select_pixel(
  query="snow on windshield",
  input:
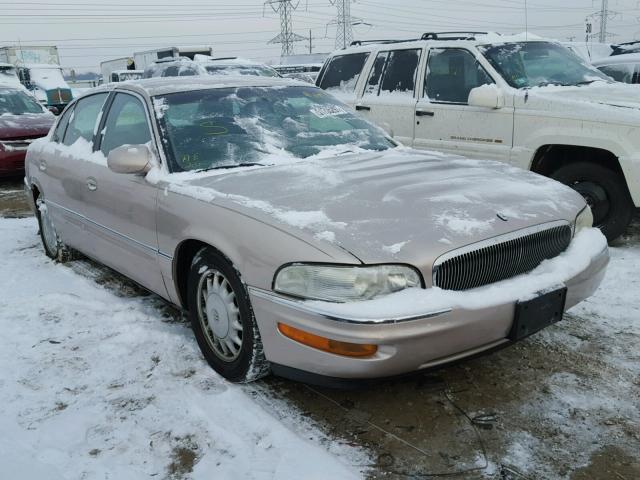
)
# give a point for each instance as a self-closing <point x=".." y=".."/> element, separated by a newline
<point x="536" y="64"/>
<point x="221" y="128"/>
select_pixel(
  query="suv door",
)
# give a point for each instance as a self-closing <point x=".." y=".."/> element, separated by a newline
<point x="390" y="93"/>
<point x="121" y="208"/>
<point x="62" y="169"/>
<point x="445" y="121"/>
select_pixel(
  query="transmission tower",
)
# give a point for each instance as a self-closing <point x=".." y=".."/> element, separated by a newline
<point x="286" y="37"/>
<point x="343" y="23"/>
<point x="604" y="15"/>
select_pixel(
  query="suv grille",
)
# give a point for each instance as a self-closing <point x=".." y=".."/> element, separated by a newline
<point x="499" y="258"/>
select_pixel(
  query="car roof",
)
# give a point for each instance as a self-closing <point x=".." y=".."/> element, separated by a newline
<point x="165" y="85"/>
<point x="617" y="59"/>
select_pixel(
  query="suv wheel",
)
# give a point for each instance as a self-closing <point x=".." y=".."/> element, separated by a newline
<point x="222" y="318"/>
<point x="604" y="190"/>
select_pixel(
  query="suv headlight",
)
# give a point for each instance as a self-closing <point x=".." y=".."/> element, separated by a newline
<point x="344" y="283"/>
<point x="583" y="220"/>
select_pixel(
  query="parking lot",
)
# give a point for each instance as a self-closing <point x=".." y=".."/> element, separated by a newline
<point x="561" y="404"/>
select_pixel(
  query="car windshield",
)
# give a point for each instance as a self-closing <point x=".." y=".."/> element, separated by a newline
<point x="257" y="70"/>
<point x="534" y="64"/>
<point x="15" y="102"/>
<point x="228" y="127"/>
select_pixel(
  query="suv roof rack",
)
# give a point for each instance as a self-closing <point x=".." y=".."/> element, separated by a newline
<point x="356" y="43"/>
<point x="425" y="36"/>
<point x="451" y="35"/>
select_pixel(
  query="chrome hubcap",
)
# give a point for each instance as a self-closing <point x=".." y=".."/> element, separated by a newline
<point x="219" y="315"/>
<point x="48" y="231"/>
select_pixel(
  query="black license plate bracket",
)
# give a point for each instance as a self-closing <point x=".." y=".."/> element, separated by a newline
<point x="537" y="313"/>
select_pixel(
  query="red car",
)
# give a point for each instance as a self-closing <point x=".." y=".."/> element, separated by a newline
<point x="22" y="120"/>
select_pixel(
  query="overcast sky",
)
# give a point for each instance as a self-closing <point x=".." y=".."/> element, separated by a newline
<point x="88" y="32"/>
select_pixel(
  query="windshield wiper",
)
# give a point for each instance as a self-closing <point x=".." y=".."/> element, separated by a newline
<point x="237" y="165"/>
<point x="588" y="82"/>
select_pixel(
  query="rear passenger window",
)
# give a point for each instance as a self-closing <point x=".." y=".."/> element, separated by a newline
<point x="126" y="124"/>
<point x="58" y="133"/>
<point x="451" y="74"/>
<point x="84" y="116"/>
<point x="401" y="71"/>
<point x="343" y="72"/>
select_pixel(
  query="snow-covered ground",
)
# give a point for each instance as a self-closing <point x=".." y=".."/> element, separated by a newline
<point x="100" y="386"/>
<point x="101" y="380"/>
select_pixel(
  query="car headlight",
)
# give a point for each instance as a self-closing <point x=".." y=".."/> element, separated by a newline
<point x="583" y="220"/>
<point x="344" y="283"/>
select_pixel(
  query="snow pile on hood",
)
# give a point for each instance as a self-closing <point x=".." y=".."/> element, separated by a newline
<point x="95" y="385"/>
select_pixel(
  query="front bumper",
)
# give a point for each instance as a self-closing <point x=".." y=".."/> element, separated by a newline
<point x="12" y="162"/>
<point x="405" y="344"/>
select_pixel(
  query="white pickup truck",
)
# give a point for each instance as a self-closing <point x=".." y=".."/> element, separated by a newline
<point x="516" y="99"/>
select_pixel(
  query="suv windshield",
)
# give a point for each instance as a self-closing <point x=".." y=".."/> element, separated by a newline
<point x="227" y="127"/>
<point x="534" y="64"/>
<point x="15" y="102"/>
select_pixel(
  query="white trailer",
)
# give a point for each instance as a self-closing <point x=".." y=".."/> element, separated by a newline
<point x="117" y="64"/>
<point x="17" y="55"/>
<point x="145" y="58"/>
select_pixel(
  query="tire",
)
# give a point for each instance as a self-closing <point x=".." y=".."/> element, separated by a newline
<point x="53" y="246"/>
<point x="606" y="193"/>
<point x="222" y="318"/>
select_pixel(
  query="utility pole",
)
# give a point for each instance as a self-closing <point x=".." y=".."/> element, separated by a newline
<point x="343" y="22"/>
<point x="286" y="37"/>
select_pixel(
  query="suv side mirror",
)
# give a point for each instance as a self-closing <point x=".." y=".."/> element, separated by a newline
<point x="130" y="159"/>
<point x="488" y="96"/>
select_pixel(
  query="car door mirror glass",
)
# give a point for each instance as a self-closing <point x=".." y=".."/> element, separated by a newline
<point x="130" y="159"/>
<point x="487" y="96"/>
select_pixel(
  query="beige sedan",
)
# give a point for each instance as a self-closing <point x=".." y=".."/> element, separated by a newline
<point x="301" y="239"/>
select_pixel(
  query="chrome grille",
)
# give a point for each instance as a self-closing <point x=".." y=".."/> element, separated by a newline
<point x="20" y="144"/>
<point x="500" y="258"/>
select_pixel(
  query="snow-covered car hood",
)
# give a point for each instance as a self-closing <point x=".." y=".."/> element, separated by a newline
<point x="399" y="205"/>
<point x="611" y="102"/>
<point x="27" y="125"/>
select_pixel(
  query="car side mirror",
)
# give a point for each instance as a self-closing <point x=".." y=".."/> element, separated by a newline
<point x="387" y="128"/>
<point x="130" y="159"/>
<point x="488" y="96"/>
<point x="54" y="110"/>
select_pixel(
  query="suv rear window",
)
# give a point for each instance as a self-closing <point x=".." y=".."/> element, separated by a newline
<point x="343" y="72"/>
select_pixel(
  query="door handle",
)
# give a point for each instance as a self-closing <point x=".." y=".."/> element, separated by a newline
<point x="43" y="165"/>
<point x="363" y="107"/>
<point x="424" y="113"/>
<point x="92" y="184"/>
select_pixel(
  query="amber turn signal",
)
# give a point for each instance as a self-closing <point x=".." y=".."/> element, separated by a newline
<point x="326" y="344"/>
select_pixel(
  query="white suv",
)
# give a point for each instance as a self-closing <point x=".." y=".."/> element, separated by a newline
<point x="526" y="101"/>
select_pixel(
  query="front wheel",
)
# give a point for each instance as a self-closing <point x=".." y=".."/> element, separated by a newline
<point x="222" y="318"/>
<point x="604" y="190"/>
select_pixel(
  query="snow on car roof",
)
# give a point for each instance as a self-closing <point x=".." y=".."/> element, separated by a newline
<point x="617" y="59"/>
<point x="164" y="85"/>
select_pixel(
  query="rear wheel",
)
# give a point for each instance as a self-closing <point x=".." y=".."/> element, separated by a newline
<point x="222" y="318"/>
<point x="604" y="190"/>
<point x="53" y="246"/>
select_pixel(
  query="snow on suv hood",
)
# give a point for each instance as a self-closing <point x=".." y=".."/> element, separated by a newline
<point x="615" y="102"/>
<point x="399" y="205"/>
